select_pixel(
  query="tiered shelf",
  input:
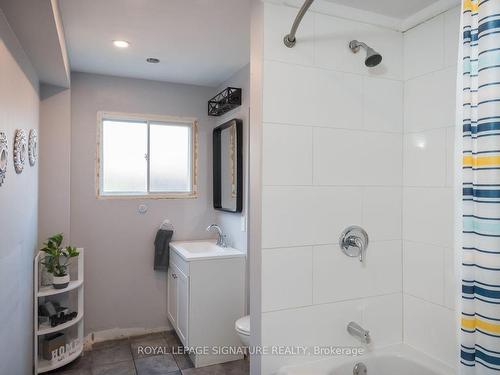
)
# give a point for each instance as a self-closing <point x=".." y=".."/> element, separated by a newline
<point x="41" y="293"/>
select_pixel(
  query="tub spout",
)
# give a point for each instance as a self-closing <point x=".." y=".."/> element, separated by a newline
<point x="356" y="330"/>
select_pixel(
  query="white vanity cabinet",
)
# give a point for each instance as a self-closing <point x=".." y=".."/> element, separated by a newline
<point x="205" y="296"/>
<point x="178" y="300"/>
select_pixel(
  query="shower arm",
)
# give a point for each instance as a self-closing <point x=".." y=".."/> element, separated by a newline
<point x="355" y="45"/>
<point x="289" y="39"/>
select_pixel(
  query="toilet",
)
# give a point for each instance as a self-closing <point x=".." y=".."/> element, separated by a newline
<point x="242" y="327"/>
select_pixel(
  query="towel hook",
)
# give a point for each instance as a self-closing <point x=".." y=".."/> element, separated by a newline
<point x="166" y="225"/>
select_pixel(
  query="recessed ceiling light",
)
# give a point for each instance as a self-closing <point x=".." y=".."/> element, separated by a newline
<point x="121" y="43"/>
<point x="152" y="60"/>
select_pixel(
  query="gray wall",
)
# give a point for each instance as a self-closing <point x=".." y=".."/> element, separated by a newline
<point x="232" y="222"/>
<point x="54" y="149"/>
<point x="19" y="107"/>
<point x="121" y="289"/>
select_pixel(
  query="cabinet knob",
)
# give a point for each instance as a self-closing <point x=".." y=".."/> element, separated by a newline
<point x="174" y="276"/>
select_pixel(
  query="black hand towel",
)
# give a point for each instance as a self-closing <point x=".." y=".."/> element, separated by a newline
<point x="162" y="242"/>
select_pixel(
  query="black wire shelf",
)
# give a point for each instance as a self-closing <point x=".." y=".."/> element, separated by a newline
<point x="224" y="101"/>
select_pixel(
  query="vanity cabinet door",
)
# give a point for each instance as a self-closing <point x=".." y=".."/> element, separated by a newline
<point x="172" y="296"/>
<point x="182" y="307"/>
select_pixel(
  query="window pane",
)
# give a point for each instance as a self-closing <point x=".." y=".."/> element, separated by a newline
<point x="124" y="156"/>
<point x="170" y="158"/>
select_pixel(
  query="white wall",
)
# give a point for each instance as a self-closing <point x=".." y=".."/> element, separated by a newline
<point x="332" y="158"/>
<point x="19" y="107"/>
<point x="430" y="65"/>
<point x="231" y="222"/>
<point x="122" y="290"/>
<point x="55" y="155"/>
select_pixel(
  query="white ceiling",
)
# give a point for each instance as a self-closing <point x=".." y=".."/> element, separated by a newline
<point x="35" y="26"/>
<point x="401" y="9"/>
<point x="200" y="42"/>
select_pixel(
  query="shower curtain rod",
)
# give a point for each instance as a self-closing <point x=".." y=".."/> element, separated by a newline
<point x="289" y="39"/>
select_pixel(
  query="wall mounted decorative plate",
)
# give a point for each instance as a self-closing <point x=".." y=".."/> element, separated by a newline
<point x="4" y="150"/>
<point x="20" y="150"/>
<point x="32" y="147"/>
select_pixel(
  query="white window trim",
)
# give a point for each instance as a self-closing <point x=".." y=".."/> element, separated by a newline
<point x="189" y="121"/>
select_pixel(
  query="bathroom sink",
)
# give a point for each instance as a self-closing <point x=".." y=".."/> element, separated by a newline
<point x="204" y="249"/>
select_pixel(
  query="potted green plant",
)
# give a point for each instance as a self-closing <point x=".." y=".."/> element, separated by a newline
<point x="57" y="259"/>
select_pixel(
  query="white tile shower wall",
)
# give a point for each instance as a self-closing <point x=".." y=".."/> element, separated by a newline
<point x="332" y="158"/>
<point x="430" y="64"/>
<point x="324" y="325"/>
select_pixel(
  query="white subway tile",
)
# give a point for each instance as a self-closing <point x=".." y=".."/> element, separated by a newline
<point x="383" y="317"/>
<point x="430" y="101"/>
<point x="383" y="105"/>
<point x="287" y="215"/>
<point x="428" y="284"/>
<point x="317" y="325"/>
<point x="450" y="156"/>
<point x="451" y="36"/>
<point x="287" y="155"/>
<point x="380" y="273"/>
<point x="338" y="100"/>
<point x="288" y="94"/>
<point x="382" y="212"/>
<point x="423" y="48"/>
<point x="428" y="215"/>
<point x="425" y="158"/>
<point x="451" y="280"/>
<point x="339" y="157"/>
<point x="332" y="40"/>
<point x="343" y="157"/>
<point x="431" y="329"/>
<point x="335" y="208"/>
<point x="286" y="278"/>
<point x="301" y="95"/>
<point x="277" y="21"/>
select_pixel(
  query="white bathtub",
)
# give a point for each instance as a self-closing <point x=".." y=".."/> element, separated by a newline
<point x="393" y="360"/>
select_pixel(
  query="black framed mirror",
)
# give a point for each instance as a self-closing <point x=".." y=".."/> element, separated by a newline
<point x="228" y="166"/>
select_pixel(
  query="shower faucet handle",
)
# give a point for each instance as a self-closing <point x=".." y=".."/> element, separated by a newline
<point x="354" y="242"/>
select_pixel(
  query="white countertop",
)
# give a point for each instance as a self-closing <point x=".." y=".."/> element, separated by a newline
<point x="204" y="249"/>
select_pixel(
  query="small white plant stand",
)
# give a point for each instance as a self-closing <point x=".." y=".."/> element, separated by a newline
<point x="40" y="292"/>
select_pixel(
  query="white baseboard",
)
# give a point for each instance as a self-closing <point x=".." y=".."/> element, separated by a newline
<point x="119" y="333"/>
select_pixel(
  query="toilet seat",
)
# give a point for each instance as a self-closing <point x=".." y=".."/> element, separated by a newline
<point x="242" y="325"/>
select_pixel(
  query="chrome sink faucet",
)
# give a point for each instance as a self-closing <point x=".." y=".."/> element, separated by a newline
<point x="356" y="330"/>
<point x="222" y="238"/>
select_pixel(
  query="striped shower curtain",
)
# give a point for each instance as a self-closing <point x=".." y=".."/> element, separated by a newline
<point x="480" y="337"/>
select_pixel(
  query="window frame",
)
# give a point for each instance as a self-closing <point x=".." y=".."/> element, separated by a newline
<point x="148" y="119"/>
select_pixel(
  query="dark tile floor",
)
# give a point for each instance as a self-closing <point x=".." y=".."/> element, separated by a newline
<point x="129" y="357"/>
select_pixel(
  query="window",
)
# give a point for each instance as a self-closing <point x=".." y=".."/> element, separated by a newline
<point x="146" y="156"/>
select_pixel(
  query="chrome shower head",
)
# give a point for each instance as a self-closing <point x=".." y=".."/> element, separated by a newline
<point x="373" y="58"/>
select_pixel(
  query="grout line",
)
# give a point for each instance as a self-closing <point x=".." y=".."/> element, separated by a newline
<point x="333" y="302"/>
<point x="431" y="72"/>
<point x="321" y="244"/>
<point x="402" y="200"/>
<point x="430" y="302"/>
<point x="428" y="243"/>
<point x="312" y="275"/>
<point x="312" y="156"/>
<point x="364" y="130"/>
<point x="336" y="186"/>
<point x="359" y="186"/>
<point x="331" y="69"/>
<point x="427" y="130"/>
